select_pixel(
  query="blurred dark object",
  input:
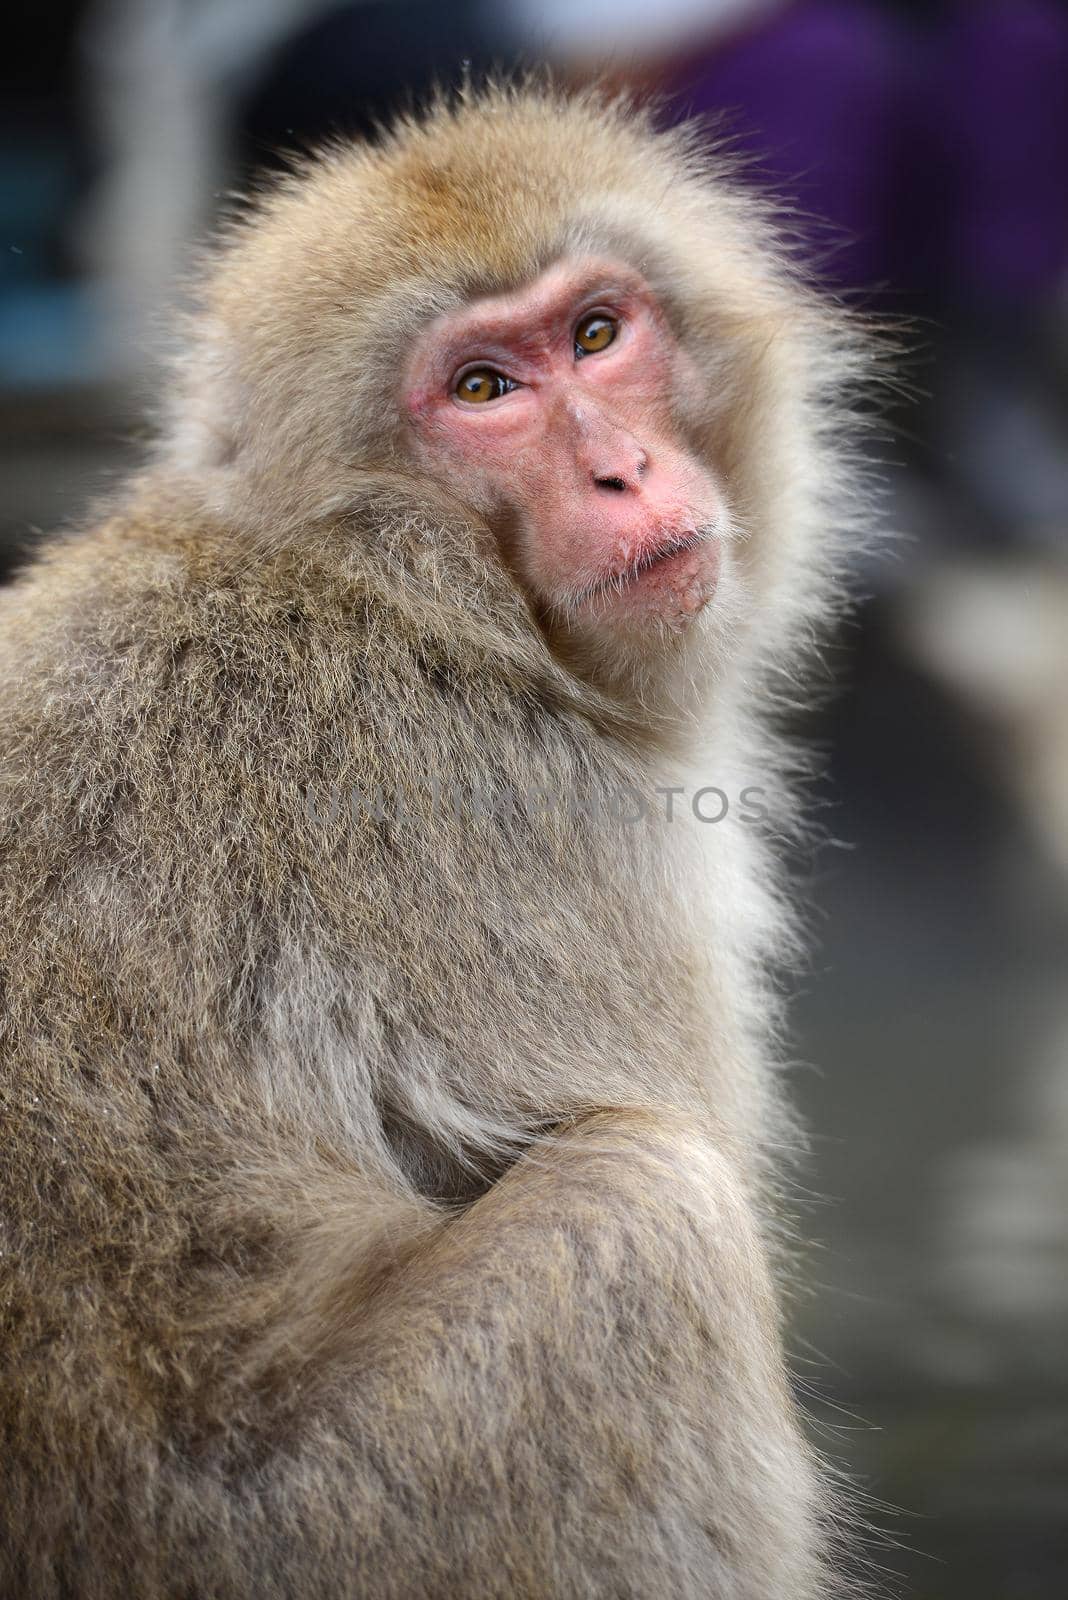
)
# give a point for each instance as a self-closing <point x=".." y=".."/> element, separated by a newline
<point x="46" y="166"/>
<point x="352" y="69"/>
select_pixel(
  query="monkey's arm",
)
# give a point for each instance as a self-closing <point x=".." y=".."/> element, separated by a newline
<point x="574" y="1389"/>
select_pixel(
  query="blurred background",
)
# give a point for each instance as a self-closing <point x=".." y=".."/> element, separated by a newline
<point x="931" y="140"/>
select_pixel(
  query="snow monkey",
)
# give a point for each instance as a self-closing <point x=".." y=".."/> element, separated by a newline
<point x="390" y="1115"/>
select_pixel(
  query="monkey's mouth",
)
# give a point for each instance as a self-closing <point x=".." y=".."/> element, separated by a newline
<point x="680" y="575"/>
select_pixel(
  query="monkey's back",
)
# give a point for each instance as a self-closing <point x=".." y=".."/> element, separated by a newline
<point x="264" y="999"/>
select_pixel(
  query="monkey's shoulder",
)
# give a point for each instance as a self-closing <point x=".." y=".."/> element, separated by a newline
<point x="130" y="610"/>
<point x="155" y="618"/>
<point x="154" y="667"/>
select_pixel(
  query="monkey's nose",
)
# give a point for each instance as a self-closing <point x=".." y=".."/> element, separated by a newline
<point x="610" y="454"/>
<point x="624" y="473"/>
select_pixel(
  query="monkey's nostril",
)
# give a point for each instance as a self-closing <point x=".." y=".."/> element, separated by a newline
<point x="610" y="483"/>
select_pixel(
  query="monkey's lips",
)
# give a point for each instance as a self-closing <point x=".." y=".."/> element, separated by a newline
<point x="674" y="581"/>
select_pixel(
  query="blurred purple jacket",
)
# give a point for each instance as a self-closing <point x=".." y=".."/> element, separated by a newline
<point x="938" y="150"/>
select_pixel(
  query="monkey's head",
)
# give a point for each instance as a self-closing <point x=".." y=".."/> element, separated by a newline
<point x="553" y="411"/>
<point x="577" y="333"/>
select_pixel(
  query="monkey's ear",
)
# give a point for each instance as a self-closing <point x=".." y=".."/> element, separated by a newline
<point x="205" y="414"/>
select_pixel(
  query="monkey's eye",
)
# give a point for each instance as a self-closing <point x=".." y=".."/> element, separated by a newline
<point x="482" y="384"/>
<point x="594" y="333"/>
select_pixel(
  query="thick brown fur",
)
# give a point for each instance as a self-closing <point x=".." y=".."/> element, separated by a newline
<point x="388" y="1194"/>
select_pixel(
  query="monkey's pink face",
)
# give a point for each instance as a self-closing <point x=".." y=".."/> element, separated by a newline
<point x="551" y="411"/>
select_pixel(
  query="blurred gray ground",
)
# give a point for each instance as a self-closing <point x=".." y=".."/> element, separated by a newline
<point x="936" y="1023"/>
<point x="937" y="1017"/>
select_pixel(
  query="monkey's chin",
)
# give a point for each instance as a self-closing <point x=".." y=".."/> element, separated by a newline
<point x="671" y="587"/>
